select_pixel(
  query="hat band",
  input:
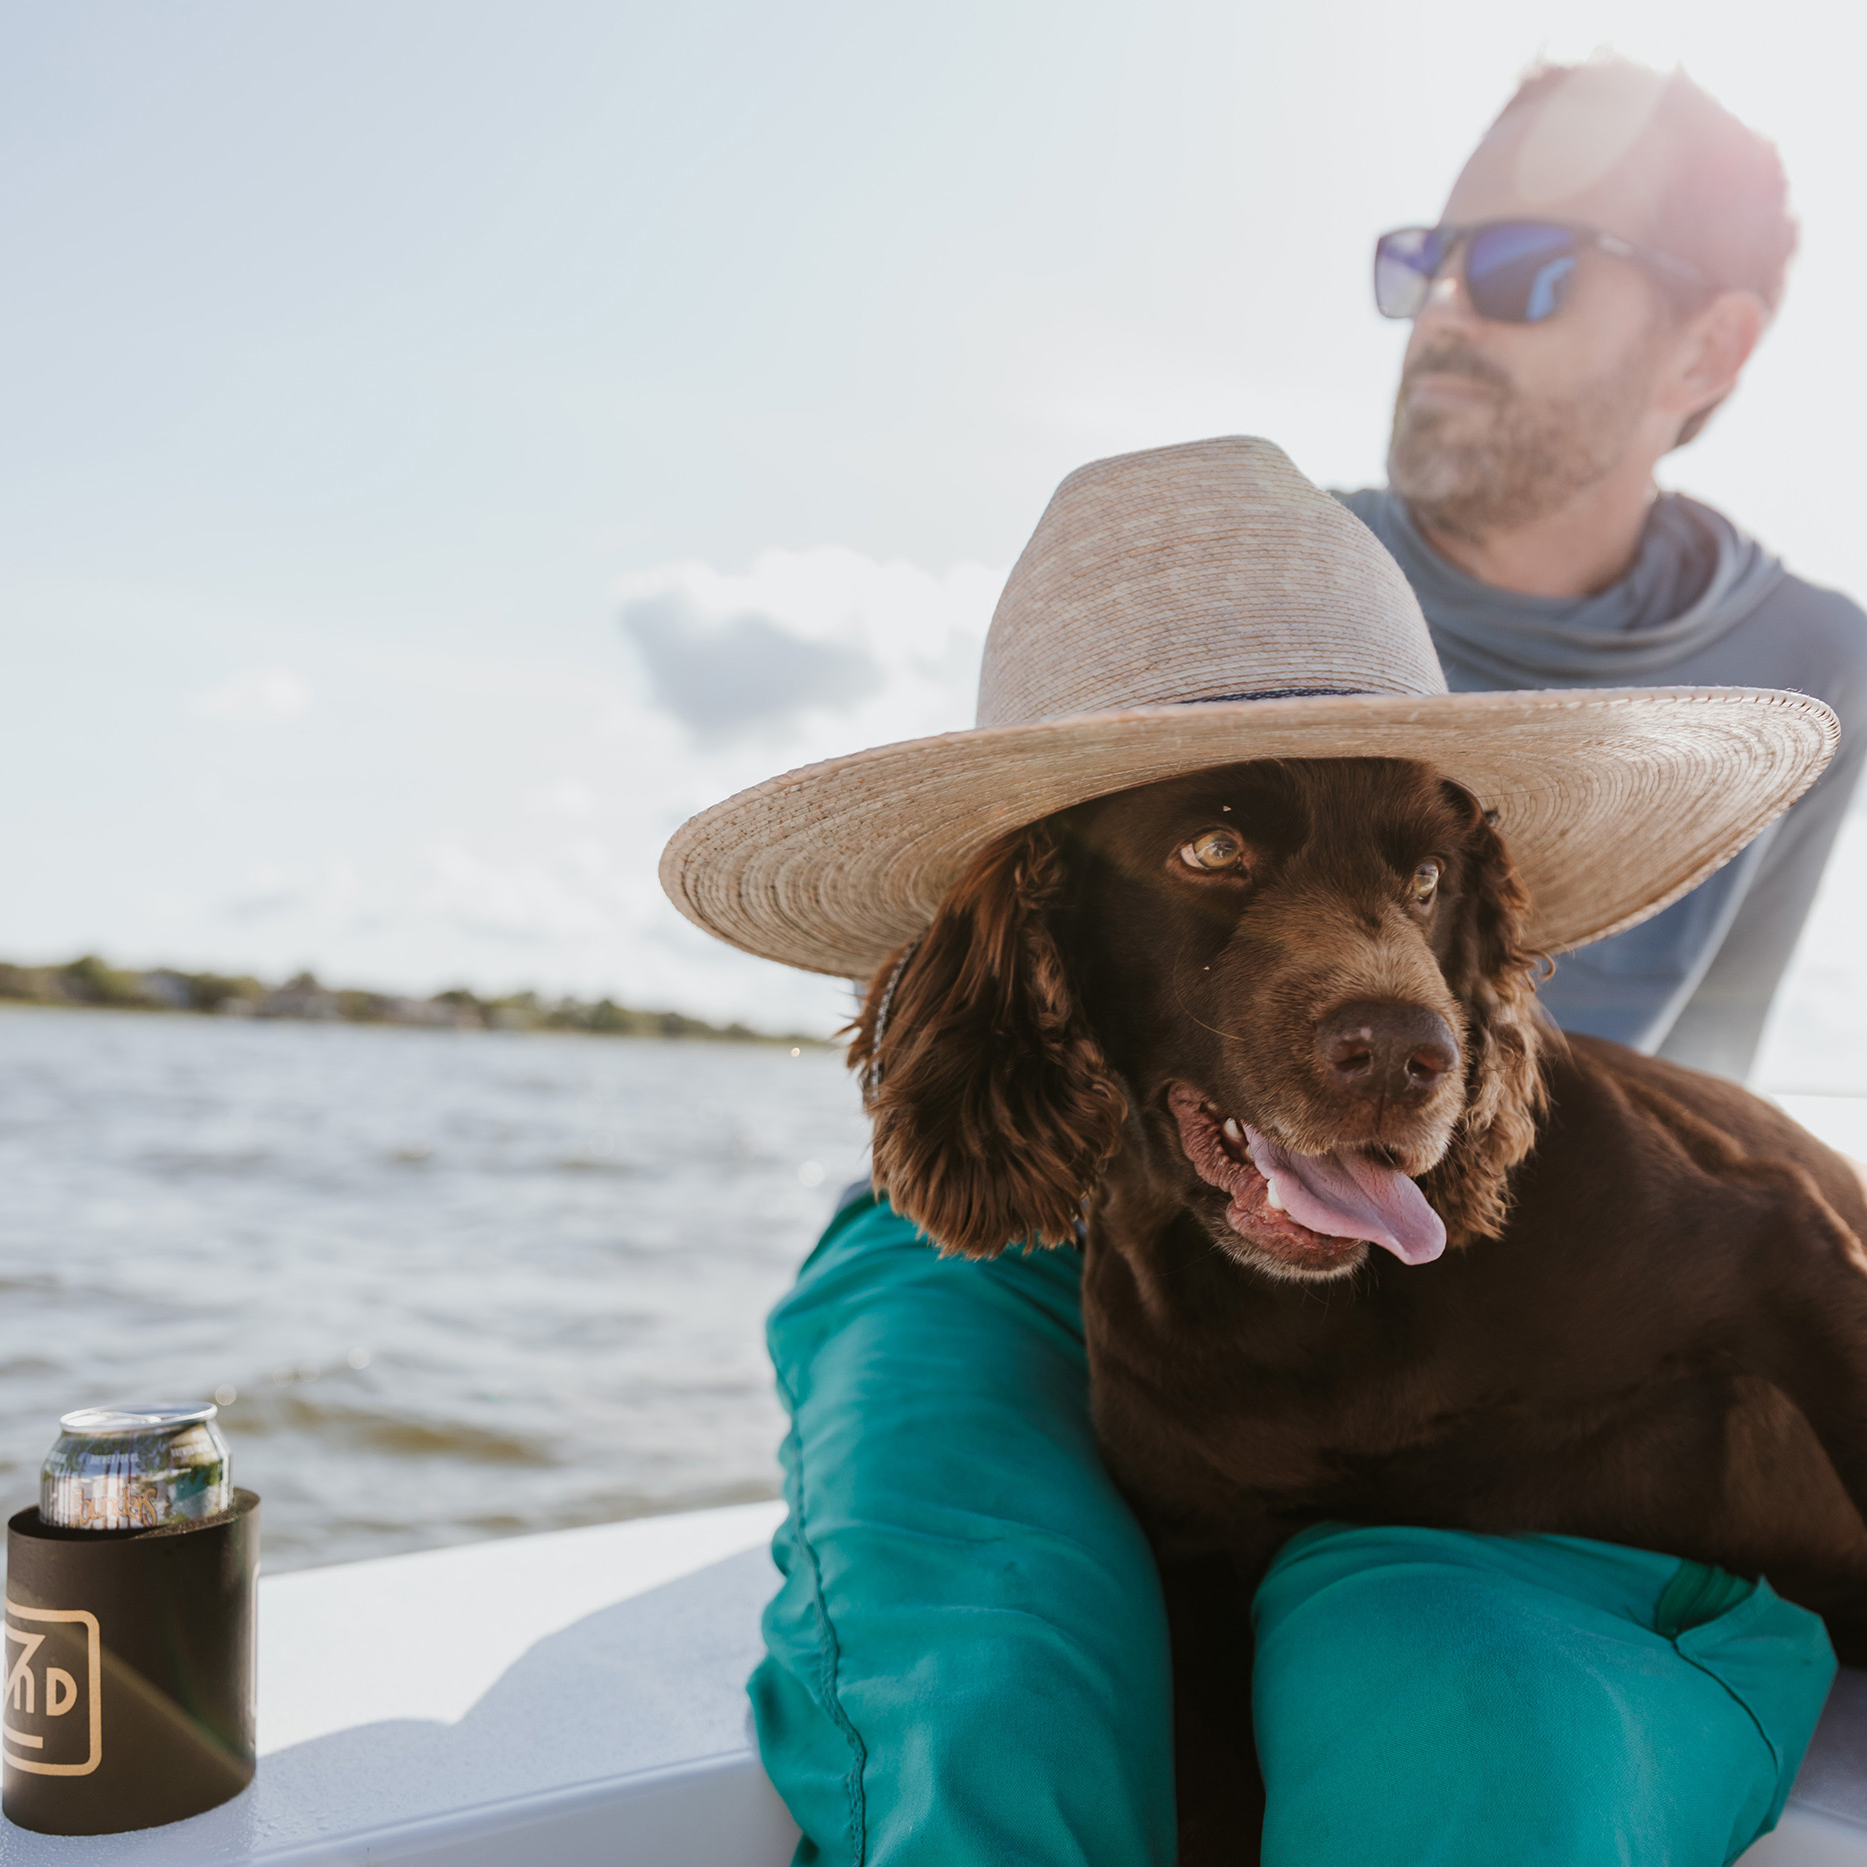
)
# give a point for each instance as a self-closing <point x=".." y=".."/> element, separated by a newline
<point x="1274" y="693"/>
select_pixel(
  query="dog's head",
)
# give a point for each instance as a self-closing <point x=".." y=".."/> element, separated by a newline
<point x="1292" y="989"/>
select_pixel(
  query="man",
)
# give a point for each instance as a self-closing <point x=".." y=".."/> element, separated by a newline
<point x="968" y="1657"/>
<point x="1634" y="239"/>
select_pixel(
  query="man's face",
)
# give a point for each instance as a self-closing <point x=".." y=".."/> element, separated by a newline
<point x="1497" y="424"/>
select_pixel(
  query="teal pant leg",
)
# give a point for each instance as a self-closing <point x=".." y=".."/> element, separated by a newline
<point x="1429" y="1698"/>
<point x="967" y="1659"/>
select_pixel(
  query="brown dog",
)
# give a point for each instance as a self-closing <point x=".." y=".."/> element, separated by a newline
<point x="1266" y="1039"/>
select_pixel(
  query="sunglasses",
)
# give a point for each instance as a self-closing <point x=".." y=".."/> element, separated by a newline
<point x="1516" y="271"/>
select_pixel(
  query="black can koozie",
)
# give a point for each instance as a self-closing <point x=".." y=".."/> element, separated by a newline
<point x="129" y="1670"/>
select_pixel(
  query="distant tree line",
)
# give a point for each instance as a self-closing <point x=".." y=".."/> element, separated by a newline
<point x="91" y="981"/>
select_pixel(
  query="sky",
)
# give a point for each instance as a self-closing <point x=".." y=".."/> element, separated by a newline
<point x="443" y="446"/>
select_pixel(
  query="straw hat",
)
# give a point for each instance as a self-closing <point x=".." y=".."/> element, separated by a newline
<point x="1205" y="604"/>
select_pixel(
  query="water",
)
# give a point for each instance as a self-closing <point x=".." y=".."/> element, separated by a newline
<point x="461" y="1284"/>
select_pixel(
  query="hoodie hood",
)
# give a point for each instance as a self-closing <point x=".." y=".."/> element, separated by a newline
<point x="1695" y="578"/>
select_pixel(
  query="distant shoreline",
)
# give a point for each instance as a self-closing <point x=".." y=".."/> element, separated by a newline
<point x="89" y="982"/>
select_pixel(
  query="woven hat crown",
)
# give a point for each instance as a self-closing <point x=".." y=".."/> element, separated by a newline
<point x="1212" y="570"/>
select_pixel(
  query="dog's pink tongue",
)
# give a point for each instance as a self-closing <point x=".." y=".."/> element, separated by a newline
<point x="1350" y="1196"/>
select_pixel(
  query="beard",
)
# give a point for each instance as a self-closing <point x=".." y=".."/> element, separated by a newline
<point x="1471" y="472"/>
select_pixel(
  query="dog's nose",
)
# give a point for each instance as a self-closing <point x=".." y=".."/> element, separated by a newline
<point x="1381" y="1049"/>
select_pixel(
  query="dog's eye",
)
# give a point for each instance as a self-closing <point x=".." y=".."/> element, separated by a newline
<point x="1213" y="851"/>
<point x="1425" y="883"/>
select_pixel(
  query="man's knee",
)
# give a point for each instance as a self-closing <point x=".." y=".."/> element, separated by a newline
<point x="1413" y="1714"/>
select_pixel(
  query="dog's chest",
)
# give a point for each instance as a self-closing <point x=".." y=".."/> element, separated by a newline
<point x="1236" y="1424"/>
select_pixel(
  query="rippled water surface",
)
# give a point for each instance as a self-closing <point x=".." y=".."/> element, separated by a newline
<point x="460" y="1283"/>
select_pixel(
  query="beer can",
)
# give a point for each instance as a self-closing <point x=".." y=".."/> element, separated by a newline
<point x="135" y="1468"/>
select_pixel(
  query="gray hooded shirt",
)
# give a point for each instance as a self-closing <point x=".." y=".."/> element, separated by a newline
<point x="1703" y="606"/>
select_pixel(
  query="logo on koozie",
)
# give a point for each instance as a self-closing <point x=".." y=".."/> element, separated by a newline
<point x="52" y="1718"/>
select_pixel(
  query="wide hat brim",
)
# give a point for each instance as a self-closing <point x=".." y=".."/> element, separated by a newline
<point x="1613" y="802"/>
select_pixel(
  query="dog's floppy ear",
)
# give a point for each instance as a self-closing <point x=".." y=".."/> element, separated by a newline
<point x="1494" y="976"/>
<point x="993" y="1106"/>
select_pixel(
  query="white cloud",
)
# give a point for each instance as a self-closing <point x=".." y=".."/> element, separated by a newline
<point x="720" y="676"/>
<point x="535" y="863"/>
<point x="560" y="895"/>
<point x="565" y="797"/>
<point x="324" y="891"/>
<point x="827" y="646"/>
<point x="1817" y="1034"/>
<point x="255" y="696"/>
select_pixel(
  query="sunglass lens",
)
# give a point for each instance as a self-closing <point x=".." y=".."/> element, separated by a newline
<point x="1520" y="271"/>
<point x="1405" y="265"/>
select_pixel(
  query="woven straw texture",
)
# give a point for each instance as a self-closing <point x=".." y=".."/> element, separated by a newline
<point x="1216" y="569"/>
<point x="1189" y="572"/>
